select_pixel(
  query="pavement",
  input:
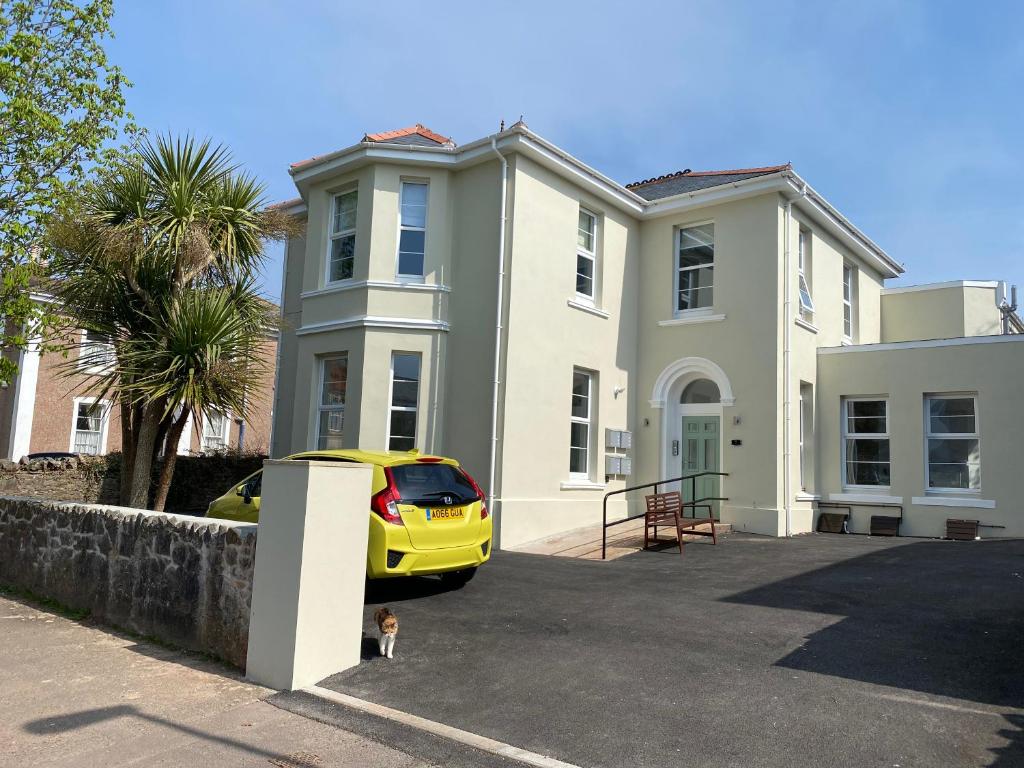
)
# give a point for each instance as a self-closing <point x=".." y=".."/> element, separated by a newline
<point x="74" y="694"/>
<point x="824" y="650"/>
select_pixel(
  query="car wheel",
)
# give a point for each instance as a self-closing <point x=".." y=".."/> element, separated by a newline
<point x="456" y="579"/>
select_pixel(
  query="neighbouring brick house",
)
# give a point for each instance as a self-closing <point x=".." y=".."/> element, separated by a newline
<point x="44" y="410"/>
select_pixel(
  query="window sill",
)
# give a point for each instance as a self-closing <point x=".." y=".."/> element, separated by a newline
<point x="581" y="485"/>
<point x="692" y="319"/>
<point x="971" y="502"/>
<point x="846" y="342"/>
<point x="589" y="308"/>
<point x="806" y="325"/>
<point x="349" y="285"/>
<point x="866" y="497"/>
<point x="807" y="497"/>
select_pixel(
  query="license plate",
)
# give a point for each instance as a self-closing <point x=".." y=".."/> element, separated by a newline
<point x="445" y="514"/>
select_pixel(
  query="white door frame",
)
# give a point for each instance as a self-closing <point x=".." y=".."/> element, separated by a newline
<point x="668" y="390"/>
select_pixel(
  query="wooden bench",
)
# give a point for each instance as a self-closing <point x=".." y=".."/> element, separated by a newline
<point x="665" y="510"/>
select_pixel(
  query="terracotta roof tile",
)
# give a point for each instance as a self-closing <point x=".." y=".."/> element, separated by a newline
<point x="418" y="130"/>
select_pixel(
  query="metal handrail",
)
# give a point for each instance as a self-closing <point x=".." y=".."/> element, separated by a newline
<point x="605" y="525"/>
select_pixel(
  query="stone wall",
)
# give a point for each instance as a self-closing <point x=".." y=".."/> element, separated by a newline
<point x="184" y="580"/>
<point x="197" y="481"/>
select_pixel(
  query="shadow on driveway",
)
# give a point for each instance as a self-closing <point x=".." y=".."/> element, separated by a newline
<point x="820" y="650"/>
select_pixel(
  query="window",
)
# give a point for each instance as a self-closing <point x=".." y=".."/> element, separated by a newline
<point x="849" y="292"/>
<point x="803" y="271"/>
<point x="695" y="267"/>
<point x="953" y="444"/>
<point x="341" y="264"/>
<point x="331" y="404"/>
<point x="90" y="426"/>
<point x="215" y="431"/>
<point x="405" y="387"/>
<point x="579" y="427"/>
<point x="806" y="435"/>
<point x="96" y="355"/>
<point x="866" y="442"/>
<point x="413" y="233"/>
<point x="586" y="247"/>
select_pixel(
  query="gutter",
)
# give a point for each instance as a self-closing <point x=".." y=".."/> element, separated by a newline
<point x="499" y="313"/>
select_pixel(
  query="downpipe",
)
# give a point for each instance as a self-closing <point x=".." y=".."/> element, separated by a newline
<point x="498" y="327"/>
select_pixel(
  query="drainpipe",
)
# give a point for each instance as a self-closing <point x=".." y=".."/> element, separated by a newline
<point x="498" y="325"/>
<point x="787" y="404"/>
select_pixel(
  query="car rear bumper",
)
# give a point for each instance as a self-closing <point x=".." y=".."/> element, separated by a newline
<point x="423" y="562"/>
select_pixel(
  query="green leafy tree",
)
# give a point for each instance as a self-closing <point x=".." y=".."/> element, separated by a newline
<point x="61" y="103"/>
<point x="159" y="256"/>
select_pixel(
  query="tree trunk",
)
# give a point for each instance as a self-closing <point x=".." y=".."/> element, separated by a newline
<point x="128" y="426"/>
<point x="145" y="447"/>
<point x="163" y="484"/>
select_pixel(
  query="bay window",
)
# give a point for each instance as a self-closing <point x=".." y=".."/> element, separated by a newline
<point x="412" y="235"/>
<point x="341" y="260"/>
<point x="331" y="402"/>
<point x="405" y="386"/>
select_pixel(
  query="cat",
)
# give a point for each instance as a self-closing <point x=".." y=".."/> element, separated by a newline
<point x="387" y="623"/>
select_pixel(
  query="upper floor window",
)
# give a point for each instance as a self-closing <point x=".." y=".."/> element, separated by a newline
<point x="96" y="354"/>
<point x="413" y="233"/>
<point x="586" y="248"/>
<point x="341" y="263"/>
<point x="803" y="274"/>
<point x="215" y="431"/>
<point x="866" y="442"/>
<point x="953" y="443"/>
<point x="405" y="388"/>
<point x="579" y="424"/>
<point x="695" y="267"/>
<point x="849" y="299"/>
<point x="89" y="435"/>
<point x="331" y="403"/>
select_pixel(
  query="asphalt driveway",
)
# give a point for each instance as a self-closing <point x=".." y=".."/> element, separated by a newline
<point x="817" y="651"/>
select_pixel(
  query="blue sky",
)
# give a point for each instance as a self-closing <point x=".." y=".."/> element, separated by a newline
<point x="908" y="116"/>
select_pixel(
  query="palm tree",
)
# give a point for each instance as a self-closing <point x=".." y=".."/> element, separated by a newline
<point x="159" y="256"/>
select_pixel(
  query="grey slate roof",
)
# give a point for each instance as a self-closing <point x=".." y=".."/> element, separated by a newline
<point x="416" y="139"/>
<point x="690" y="181"/>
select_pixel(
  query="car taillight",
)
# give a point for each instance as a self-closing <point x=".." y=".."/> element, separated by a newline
<point x="479" y="492"/>
<point x="385" y="501"/>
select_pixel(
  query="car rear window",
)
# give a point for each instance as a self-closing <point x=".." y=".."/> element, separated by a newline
<point x="420" y="483"/>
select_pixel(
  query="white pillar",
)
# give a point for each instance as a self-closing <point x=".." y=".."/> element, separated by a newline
<point x="310" y="572"/>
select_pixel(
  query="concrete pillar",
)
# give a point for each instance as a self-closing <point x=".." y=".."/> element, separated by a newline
<point x="307" y="594"/>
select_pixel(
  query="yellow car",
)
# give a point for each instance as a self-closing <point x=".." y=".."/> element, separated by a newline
<point x="427" y="515"/>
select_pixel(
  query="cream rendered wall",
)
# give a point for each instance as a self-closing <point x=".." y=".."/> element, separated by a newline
<point x="826" y="260"/>
<point x="746" y="345"/>
<point x="288" y="350"/>
<point x="940" y="312"/>
<point x="469" y="354"/>
<point x="319" y="201"/>
<point x="981" y="312"/>
<point x="546" y="339"/>
<point x="992" y="369"/>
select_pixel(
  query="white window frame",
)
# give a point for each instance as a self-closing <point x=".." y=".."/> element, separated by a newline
<point x="85" y="348"/>
<point x="845" y="435"/>
<point x="318" y="397"/>
<point x="399" y="275"/>
<point x="929" y="436"/>
<point x="104" y="422"/>
<point x="224" y="437"/>
<point x="804" y="257"/>
<point x="404" y="408"/>
<point x="849" y="302"/>
<point x="333" y="235"/>
<point x="586" y="421"/>
<point x="591" y="255"/>
<point x="677" y="240"/>
<point x="803" y="443"/>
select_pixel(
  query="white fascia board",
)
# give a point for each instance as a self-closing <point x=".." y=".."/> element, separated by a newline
<point x="924" y="344"/>
<point x="737" y="190"/>
<point x="939" y="286"/>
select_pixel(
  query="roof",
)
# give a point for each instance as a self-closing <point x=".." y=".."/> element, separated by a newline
<point x="415" y="134"/>
<point x="681" y="182"/>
